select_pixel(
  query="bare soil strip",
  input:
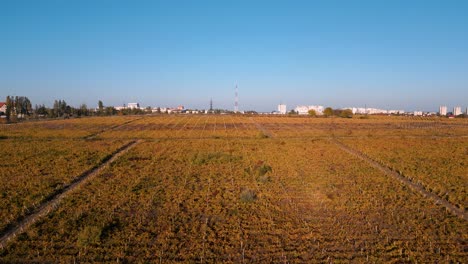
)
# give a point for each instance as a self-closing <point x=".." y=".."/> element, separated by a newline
<point x="416" y="187"/>
<point x="50" y="204"/>
<point x="110" y="128"/>
<point x="264" y="131"/>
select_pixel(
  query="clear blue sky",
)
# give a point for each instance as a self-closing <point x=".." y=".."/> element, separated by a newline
<point x="387" y="54"/>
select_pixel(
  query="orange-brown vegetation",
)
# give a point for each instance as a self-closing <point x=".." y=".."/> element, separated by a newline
<point x="207" y="188"/>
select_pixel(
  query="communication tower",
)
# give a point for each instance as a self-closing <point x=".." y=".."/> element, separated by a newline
<point x="236" y="102"/>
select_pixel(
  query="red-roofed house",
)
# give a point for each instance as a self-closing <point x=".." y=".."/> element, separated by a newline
<point x="3" y="107"/>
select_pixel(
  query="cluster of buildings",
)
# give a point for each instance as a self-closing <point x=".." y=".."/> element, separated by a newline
<point x="165" y="110"/>
<point x="375" y="111"/>
<point x="301" y="109"/>
<point x="457" y="110"/>
<point x="128" y="106"/>
<point x="169" y="110"/>
<point x="304" y="110"/>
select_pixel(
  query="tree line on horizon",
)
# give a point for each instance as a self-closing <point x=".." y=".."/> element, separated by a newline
<point x="20" y="107"/>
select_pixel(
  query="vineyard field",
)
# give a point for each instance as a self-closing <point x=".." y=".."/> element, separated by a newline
<point x="439" y="164"/>
<point x="67" y="128"/>
<point x="34" y="170"/>
<point x="236" y="189"/>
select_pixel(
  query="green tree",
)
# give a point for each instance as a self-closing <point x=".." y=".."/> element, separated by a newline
<point x="13" y="109"/>
<point x="312" y="113"/>
<point x="110" y="110"/>
<point x="22" y="106"/>
<point x="292" y="112"/>
<point x="55" y="111"/>
<point x="83" y="110"/>
<point x="41" y="110"/>
<point x="68" y="110"/>
<point x="100" y="107"/>
<point x="28" y="106"/>
<point x="17" y="106"/>
<point x="8" y="108"/>
<point x="60" y="108"/>
<point x="328" y="112"/>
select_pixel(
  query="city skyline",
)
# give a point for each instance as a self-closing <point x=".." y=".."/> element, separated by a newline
<point x="398" y="55"/>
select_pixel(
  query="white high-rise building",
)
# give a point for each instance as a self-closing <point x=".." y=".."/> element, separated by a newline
<point x="282" y="109"/>
<point x="457" y="110"/>
<point x="133" y="105"/>
<point x="443" y="110"/>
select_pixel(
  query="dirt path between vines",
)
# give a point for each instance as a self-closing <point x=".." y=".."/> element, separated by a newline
<point x="110" y="128"/>
<point x="416" y="187"/>
<point x="53" y="202"/>
<point x="264" y="131"/>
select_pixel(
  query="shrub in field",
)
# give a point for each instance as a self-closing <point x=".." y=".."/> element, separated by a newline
<point x="261" y="135"/>
<point x="3" y="137"/>
<point x="262" y="170"/>
<point x="247" y="195"/>
<point x="346" y="113"/>
<point x="264" y="179"/>
<point x="259" y="170"/>
<point x="90" y="235"/>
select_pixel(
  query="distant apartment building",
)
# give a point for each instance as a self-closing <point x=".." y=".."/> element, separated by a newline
<point x="304" y="109"/>
<point x="156" y="110"/>
<point x="374" y="111"/>
<point x="282" y="109"/>
<point x="366" y="111"/>
<point x="173" y="110"/>
<point x="133" y="105"/>
<point x="443" y="110"/>
<point x="418" y="113"/>
<point x="395" y="112"/>
<point x="457" y="111"/>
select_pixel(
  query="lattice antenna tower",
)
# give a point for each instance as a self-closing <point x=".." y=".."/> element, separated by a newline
<point x="211" y="104"/>
<point x="236" y="102"/>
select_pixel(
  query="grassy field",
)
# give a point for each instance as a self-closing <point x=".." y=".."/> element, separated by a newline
<point x="221" y="188"/>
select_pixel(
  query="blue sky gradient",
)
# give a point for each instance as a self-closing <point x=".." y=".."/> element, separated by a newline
<point x="410" y="55"/>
